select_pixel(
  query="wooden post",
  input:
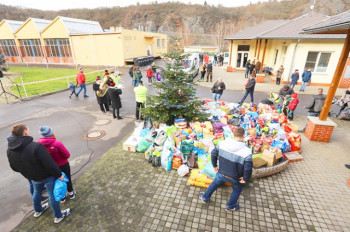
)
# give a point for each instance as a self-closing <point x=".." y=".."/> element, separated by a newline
<point x="263" y="56"/>
<point x="230" y="52"/>
<point x="256" y="48"/>
<point x="336" y="78"/>
<point x="259" y="49"/>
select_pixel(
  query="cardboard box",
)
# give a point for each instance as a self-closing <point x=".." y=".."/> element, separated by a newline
<point x="271" y="156"/>
<point x="131" y="144"/>
<point x="259" y="162"/>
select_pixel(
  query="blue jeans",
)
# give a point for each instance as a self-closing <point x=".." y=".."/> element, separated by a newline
<point x="303" y="86"/>
<point x="246" y="73"/>
<point x="49" y="183"/>
<point x="219" y="180"/>
<point x="216" y="96"/>
<point x="214" y="62"/>
<point x="292" y="85"/>
<point x="251" y="93"/>
<point x="82" y="86"/>
<point x="257" y="71"/>
<point x="135" y="82"/>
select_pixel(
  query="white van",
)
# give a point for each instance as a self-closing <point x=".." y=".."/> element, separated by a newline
<point x="190" y="65"/>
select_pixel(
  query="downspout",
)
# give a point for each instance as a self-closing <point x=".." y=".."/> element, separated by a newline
<point x="292" y="63"/>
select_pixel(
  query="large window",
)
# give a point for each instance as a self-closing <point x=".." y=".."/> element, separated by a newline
<point x="163" y="43"/>
<point x="158" y="43"/>
<point x="58" y="48"/>
<point x="317" y="61"/>
<point x="8" y="47"/>
<point x="31" y="47"/>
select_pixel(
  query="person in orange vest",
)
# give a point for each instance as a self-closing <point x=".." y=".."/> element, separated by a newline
<point x="81" y="81"/>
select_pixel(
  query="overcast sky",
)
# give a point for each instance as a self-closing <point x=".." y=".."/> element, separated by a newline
<point x="68" y="4"/>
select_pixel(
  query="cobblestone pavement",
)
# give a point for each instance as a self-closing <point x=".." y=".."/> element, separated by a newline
<point x="122" y="192"/>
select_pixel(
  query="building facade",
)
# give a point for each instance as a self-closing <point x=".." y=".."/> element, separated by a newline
<point x="75" y="41"/>
<point x="117" y="47"/>
<point x="8" y="45"/>
<point x="279" y="42"/>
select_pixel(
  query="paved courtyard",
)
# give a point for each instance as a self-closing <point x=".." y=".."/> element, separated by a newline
<point x="122" y="192"/>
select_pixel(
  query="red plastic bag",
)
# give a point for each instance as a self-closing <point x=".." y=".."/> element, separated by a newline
<point x="295" y="141"/>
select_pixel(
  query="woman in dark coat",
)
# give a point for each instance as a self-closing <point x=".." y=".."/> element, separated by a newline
<point x="114" y="94"/>
<point x="249" y="89"/>
<point x="102" y="101"/>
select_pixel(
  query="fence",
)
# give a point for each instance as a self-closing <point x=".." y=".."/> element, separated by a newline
<point x="41" y="85"/>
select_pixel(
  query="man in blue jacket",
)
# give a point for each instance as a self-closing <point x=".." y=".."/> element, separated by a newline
<point x="306" y="78"/>
<point x="236" y="164"/>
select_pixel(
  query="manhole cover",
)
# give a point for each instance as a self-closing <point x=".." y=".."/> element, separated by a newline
<point x="103" y="122"/>
<point x="95" y="135"/>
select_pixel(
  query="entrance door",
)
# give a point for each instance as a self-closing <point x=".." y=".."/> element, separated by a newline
<point x="242" y="55"/>
<point x="242" y="58"/>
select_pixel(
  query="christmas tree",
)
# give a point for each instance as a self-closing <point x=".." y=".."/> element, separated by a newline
<point x="176" y="93"/>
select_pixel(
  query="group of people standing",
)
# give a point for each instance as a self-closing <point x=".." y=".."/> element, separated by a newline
<point x="252" y="68"/>
<point x="305" y="77"/>
<point x="219" y="59"/>
<point x="206" y="68"/>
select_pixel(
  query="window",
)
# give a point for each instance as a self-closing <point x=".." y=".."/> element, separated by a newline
<point x="8" y="47"/>
<point x="317" y="61"/>
<point x="276" y="56"/>
<point x="163" y="43"/>
<point x="31" y="47"/>
<point x="158" y="43"/>
<point x="58" y="48"/>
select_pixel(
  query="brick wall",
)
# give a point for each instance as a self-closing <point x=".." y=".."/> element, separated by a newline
<point x="318" y="133"/>
<point x="345" y="83"/>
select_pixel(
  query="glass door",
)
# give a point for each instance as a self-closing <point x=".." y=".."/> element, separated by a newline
<point x="239" y="60"/>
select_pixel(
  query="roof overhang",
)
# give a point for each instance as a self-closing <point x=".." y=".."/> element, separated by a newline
<point x="102" y="33"/>
<point x="331" y="29"/>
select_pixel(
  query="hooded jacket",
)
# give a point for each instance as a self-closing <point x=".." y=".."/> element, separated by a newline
<point x="306" y="76"/>
<point x="295" y="77"/>
<point x="57" y="150"/>
<point x="251" y="85"/>
<point x="31" y="159"/>
<point x="235" y="159"/>
<point x="317" y="103"/>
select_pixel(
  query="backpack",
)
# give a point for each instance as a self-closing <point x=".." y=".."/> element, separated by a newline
<point x="293" y="104"/>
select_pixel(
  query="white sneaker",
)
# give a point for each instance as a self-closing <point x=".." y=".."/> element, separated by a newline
<point x="65" y="213"/>
<point x="45" y="207"/>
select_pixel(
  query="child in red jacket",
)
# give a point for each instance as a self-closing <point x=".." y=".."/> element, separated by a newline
<point x="59" y="154"/>
<point x="149" y="74"/>
<point x="293" y="105"/>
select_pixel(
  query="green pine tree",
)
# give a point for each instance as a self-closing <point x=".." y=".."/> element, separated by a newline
<point x="177" y="93"/>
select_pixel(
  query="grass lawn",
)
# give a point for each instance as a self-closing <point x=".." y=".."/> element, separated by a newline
<point x="38" y="74"/>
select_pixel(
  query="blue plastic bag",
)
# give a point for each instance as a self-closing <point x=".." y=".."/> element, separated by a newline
<point x="209" y="170"/>
<point x="60" y="188"/>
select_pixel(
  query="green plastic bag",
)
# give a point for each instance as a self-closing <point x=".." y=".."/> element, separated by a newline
<point x="186" y="148"/>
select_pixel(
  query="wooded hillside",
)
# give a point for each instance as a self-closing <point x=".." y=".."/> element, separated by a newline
<point x="199" y="24"/>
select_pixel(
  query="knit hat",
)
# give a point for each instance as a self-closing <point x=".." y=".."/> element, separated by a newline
<point x="98" y="78"/>
<point x="112" y="84"/>
<point x="45" y="131"/>
<point x="294" y="95"/>
<point x="296" y="70"/>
